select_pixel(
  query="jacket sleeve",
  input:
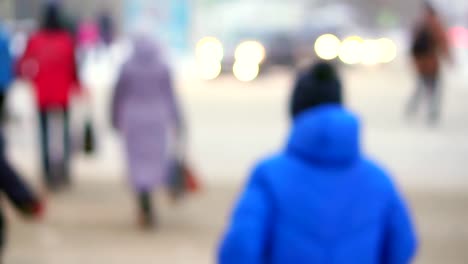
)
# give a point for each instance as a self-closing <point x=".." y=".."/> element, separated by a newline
<point x="400" y="242"/>
<point x="247" y="238"/>
<point x="7" y="62"/>
<point x="75" y="69"/>
<point x="171" y="98"/>
<point x="23" y="58"/>
<point x="117" y="100"/>
<point x="442" y="39"/>
<point x="23" y="65"/>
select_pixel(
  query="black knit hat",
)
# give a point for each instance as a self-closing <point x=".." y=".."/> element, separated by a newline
<point x="319" y="85"/>
<point x="51" y="16"/>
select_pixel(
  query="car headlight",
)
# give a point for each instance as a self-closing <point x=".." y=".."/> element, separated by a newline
<point x="327" y="47"/>
<point x="209" y="49"/>
<point x="250" y="51"/>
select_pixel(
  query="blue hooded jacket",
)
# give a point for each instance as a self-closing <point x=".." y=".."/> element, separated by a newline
<point x="6" y="62"/>
<point x="320" y="202"/>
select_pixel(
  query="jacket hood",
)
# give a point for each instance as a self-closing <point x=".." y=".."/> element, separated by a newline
<point x="145" y="50"/>
<point x="326" y="135"/>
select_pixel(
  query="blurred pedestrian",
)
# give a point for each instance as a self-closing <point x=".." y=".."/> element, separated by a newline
<point x="88" y="35"/>
<point x="88" y="41"/>
<point x="320" y="200"/>
<point x="17" y="192"/>
<point x="106" y="28"/>
<point x="6" y="70"/>
<point x="145" y="111"/>
<point x="49" y="61"/>
<point x="430" y="46"/>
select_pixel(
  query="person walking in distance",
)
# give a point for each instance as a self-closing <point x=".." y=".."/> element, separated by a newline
<point x="49" y="61"/>
<point x="430" y="46"/>
<point x="145" y="111"/>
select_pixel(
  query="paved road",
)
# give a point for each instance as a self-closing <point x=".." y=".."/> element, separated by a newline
<point x="231" y="126"/>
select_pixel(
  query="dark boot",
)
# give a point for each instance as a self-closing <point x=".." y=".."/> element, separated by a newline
<point x="146" y="214"/>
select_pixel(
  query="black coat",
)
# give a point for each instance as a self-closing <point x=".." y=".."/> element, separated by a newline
<point x="14" y="188"/>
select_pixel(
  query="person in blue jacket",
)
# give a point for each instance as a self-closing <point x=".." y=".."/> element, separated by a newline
<point x="12" y="186"/>
<point x="6" y="69"/>
<point x="320" y="200"/>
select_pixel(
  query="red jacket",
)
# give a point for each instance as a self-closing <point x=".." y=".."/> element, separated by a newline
<point x="49" y="61"/>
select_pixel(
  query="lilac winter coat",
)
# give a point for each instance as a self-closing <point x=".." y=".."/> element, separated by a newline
<point x="144" y="111"/>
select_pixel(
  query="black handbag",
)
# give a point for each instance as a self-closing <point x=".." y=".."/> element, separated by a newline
<point x="89" y="139"/>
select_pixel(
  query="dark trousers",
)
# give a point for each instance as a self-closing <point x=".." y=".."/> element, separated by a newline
<point x="55" y="172"/>
<point x="2" y="234"/>
<point x="3" y="96"/>
<point x="427" y="88"/>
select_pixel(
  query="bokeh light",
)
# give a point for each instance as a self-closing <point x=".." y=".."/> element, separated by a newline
<point x="210" y="48"/>
<point x="250" y="51"/>
<point x="351" y="50"/>
<point x="209" y="69"/>
<point x="327" y="47"/>
<point x="372" y="52"/>
<point x="246" y="71"/>
<point x="388" y="50"/>
<point x="459" y="37"/>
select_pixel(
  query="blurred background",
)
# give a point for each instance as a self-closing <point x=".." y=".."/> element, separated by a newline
<point x="234" y="64"/>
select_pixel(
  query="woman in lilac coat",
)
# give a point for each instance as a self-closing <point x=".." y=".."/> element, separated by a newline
<point x="145" y="111"/>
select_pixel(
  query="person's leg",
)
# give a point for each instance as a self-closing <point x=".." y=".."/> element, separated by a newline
<point x="2" y="105"/>
<point x="66" y="147"/>
<point x="146" y="213"/>
<point x="434" y="98"/>
<point x="2" y="235"/>
<point x="45" y="149"/>
<point x="415" y="98"/>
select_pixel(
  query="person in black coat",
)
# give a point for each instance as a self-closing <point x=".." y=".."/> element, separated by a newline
<point x="16" y="190"/>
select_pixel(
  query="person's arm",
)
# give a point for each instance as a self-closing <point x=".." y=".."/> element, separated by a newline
<point x="27" y="65"/>
<point x="7" y="57"/>
<point x="246" y="240"/>
<point x="117" y="100"/>
<point x="169" y="89"/>
<point x="400" y="242"/>
<point x="77" y="87"/>
<point x="443" y="42"/>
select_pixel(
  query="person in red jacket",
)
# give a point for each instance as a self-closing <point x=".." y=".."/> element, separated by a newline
<point x="49" y="61"/>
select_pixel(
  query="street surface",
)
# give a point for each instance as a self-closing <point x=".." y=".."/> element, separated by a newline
<point x="231" y="126"/>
